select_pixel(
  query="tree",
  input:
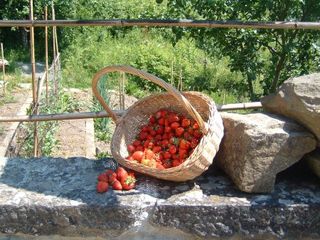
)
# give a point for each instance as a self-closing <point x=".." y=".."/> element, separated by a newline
<point x="270" y="56"/>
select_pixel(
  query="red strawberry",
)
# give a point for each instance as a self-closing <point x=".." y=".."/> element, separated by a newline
<point x="131" y="148"/>
<point x="185" y="122"/>
<point x="176" y="163"/>
<point x="172" y="149"/>
<point x="179" y="131"/>
<point x="112" y="178"/>
<point x="117" y="185"/>
<point x="128" y="182"/>
<point x="103" y="177"/>
<point x="102" y="187"/>
<point x="121" y="172"/>
<point x="152" y="120"/>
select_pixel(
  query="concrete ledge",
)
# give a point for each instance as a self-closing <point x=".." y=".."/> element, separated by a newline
<point x="57" y="197"/>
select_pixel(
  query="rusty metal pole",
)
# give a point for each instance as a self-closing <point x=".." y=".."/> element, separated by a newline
<point x="34" y="83"/>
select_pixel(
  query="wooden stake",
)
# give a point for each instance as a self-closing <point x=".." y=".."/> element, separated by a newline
<point x="3" y="70"/>
<point x="54" y="50"/>
<point x="47" y="55"/>
<point x="34" y="83"/>
<point x="121" y="91"/>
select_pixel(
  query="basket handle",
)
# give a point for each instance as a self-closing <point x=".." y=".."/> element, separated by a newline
<point x="128" y="69"/>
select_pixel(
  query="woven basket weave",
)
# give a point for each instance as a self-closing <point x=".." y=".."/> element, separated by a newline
<point x="192" y="104"/>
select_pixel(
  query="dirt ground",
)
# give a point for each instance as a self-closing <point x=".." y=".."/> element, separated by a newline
<point x="76" y="137"/>
<point x="11" y="105"/>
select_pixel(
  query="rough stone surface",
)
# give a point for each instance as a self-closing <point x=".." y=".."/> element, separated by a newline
<point x="57" y="197"/>
<point x="299" y="99"/>
<point x="257" y="146"/>
<point x="313" y="160"/>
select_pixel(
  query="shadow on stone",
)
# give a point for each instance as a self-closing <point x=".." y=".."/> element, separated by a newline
<point x="57" y="196"/>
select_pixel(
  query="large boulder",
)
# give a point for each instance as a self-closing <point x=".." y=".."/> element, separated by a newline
<point x="299" y="99"/>
<point x="257" y="146"/>
<point x="313" y="160"/>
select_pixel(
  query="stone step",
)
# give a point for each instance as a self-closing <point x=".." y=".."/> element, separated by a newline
<point x="55" y="196"/>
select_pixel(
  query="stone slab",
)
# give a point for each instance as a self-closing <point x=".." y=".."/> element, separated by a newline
<point x="55" y="196"/>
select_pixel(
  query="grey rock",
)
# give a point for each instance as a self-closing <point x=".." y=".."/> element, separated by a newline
<point x="299" y="99"/>
<point x="313" y="160"/>
<point x="57" y="197"/>
<point x="257" y="146"/>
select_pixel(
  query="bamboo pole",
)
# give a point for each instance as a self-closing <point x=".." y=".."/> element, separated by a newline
<point x="163" y="23"/>
<point x="58" y="117"/>
<point x="3" y="70"/>
<point x="102" y="114"/>
<point x="54" y="51"/>
<point x="55" y="28"/>
<point x="239" y="106"/>
<point x="34" y="84"/>
<point x="47" y="55"/>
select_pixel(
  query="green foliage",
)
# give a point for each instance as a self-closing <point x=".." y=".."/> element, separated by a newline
<point x="269" y="56"/>
<point x="148" y="50"/>
<point x="47" y="130"/>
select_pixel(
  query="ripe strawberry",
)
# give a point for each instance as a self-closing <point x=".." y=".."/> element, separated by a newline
<point x="144" y="128"/>
<point x="137" y="155"/>
<point x="164" y="143"/>
<point x="102" y="187"/>
<point x="149" y="154"/>
<point x="160" y="166"/>
<point x="173" y="118"/>
<point x="195" y="125"/>
<point x="185" y="122"/>
<point x="152" y="120"/>
<point x="136" y="143"/>
<point x="161" y="121"/>
<point x="121" y="172"/>
<point x="159" y="130"/>
<point x="103" y="177"/>
<point x="176" y="163"/>
<point x="194" y="143"/>
<point x="139" y="148"/>
<point x="117" y="185"/>
<point x="167" y="155"/>
<point x="131" y="148"/>
<point x="109" y="172"/>
<point x="197" y="134"/>
<point x="158" y="114"/>
<point x="172" y="149"/>
<point x="184" y="144"/>
<point x="182" y="153"/>
<point x="128" y="182"/>
<point x="112" y="178"/>
<point x="174" y="125"/>
<point x="167" y="129"/>
<point x="179" y="131"/>
<point x="143" y="135"/>
<point x="156" y="149"/>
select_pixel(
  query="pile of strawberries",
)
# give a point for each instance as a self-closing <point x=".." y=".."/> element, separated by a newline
<point x="166" y="141"/>
<point x="118" y="180"/>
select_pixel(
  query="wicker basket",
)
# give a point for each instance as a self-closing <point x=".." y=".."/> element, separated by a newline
<point x="193" y="104"/>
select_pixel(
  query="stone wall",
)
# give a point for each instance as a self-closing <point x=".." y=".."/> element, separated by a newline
<point x="50" y="196"/>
